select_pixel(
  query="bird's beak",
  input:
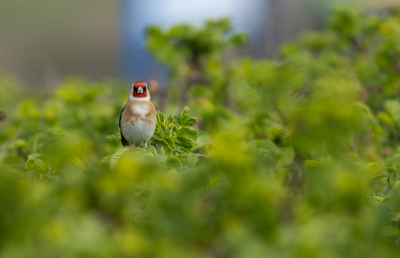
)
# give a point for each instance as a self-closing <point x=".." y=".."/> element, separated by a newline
<point x="140" y="90"/>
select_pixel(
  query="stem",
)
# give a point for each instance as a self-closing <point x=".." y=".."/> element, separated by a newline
<point x="11" y="140"/>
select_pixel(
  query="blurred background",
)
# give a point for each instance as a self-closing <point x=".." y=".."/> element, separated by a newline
<point x="43" y="41"/>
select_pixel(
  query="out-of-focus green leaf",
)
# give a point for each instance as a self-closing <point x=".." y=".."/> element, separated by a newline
<point x="106" y="160"/>
<point x="117" y="156"/>
<point x="173" y="162"/>
<point x="113" y="137"/>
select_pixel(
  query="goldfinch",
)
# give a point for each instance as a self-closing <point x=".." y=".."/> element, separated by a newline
<point x="137" y="121"/>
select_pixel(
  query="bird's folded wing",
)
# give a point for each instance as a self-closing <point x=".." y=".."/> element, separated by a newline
<point x="123" y="140"/>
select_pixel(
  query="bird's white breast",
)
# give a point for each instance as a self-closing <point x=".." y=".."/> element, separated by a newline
<point x="138" y="129"/>
<point x="139" y="132"/>
<point x="141" y="110"/>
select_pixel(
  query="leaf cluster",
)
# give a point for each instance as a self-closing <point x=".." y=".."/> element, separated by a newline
<point x="183" y="46"/>
<point x="175" y="134"/>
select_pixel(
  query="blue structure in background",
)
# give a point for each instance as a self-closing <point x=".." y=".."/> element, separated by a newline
<point x="246" y="15"/>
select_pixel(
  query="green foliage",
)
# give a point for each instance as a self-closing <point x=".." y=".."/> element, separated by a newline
<point x="36" y="167"/>
<point x="196" y="57"/>
<point x="184" y="46"/>
<point x="296" y="157"/>
<point x="174" y="137"/>
<point x="175" y="134"/>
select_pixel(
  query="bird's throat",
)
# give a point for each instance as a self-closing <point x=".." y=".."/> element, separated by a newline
<point x="139" y="95"/>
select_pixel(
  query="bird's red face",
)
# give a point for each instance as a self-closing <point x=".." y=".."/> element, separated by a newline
<point x="139" y="90"/>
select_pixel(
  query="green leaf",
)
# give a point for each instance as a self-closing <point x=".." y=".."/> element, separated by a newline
<point x="385" y="118"/>
<point x="393" y="178"/>
<point x="29" y="165"/>
<point x="185" y="119"/>
<point x="173" y="162"/>
<point x="113" y="137"/>
<point x="186" y="142"/>
<point x="380" y="176"/>
<point x="117" y="156"/>
<point x="168" y="132"/>
<point x="188" y="159"/>
<point x="153" y="151"/>
<point x="157" y="136"/>
<point x="40" y="167"/>
<point x="162" y="158"/>
<point x="389" y="164"/>
<point x="378" y="198"/>
<point x="34" y="156"/>
<point x="160" y="118"/>
<point x="106" y="160"/>
<point x="190" y="132"/>
<point x="159" y="157"/>
<point x="136" y="154"/>
<point x="33" y="163"/>
<point x="170" y="142"/>
<point x="393" y="109"/>
<point x="173" y="119"/>
<point x="393" y="163"/>
<point x="384" y="181"/>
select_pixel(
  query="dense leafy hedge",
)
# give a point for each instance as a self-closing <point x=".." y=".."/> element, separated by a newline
<point x="297" y="157"/>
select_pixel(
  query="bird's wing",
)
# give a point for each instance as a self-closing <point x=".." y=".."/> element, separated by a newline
<point x="123" y="140"/>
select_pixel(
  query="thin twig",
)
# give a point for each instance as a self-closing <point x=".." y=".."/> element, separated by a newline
<point x="11" y="140"/>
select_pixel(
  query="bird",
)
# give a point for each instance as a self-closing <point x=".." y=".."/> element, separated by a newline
<point x="138" y="119"/>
